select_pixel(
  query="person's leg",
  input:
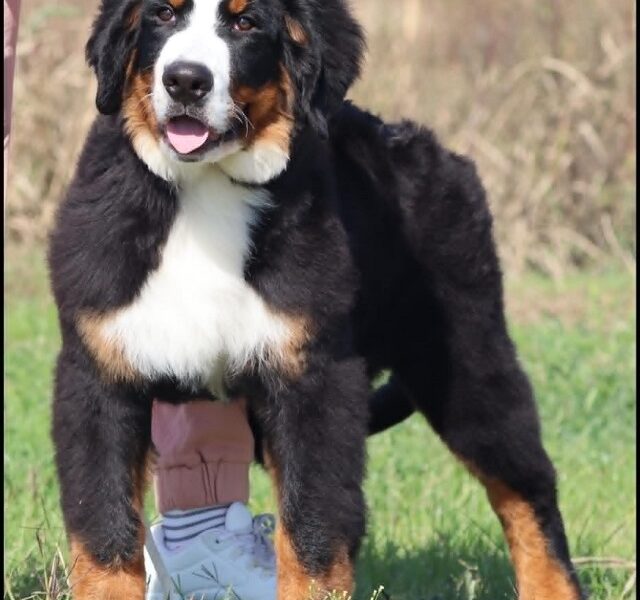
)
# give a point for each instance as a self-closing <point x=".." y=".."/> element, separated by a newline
<point x="204" y="452"/>
<point x="208" y="539"/>
<point x="11" y="14"/>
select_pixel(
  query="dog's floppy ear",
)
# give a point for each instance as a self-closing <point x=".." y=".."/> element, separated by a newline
<point x="324" y="46"/>
<point x="114" y="34"/>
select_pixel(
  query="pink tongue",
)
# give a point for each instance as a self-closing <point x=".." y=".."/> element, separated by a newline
<point x="186" y="134"/>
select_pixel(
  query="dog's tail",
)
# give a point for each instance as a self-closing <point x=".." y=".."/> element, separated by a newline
<point x="388" y="406"/>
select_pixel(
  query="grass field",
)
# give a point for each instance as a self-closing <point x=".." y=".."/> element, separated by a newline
<point x="431" y="532"/>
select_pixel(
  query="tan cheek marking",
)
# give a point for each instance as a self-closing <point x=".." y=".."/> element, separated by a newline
<point x="237" y="6"/>
<point x="262" y="104"/>
<point x="296" y="31"/>
<point x="277" y="133"/>
<point x="177" y="4"/>
<point x="538" y="573"/>
<point x="270" y="110"/>
<point x="109" y="356"/>
<point x="92" y="581"/>
<point x="139" y="116"/>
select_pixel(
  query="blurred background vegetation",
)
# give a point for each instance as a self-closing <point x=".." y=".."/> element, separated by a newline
<point x="541" y="94"/>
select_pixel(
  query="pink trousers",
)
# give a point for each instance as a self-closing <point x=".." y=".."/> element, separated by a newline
<point x="204" y="452"/>
<point x="204" y="448"/>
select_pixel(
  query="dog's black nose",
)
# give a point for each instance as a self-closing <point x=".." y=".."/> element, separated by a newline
<point x="187" y="82"/>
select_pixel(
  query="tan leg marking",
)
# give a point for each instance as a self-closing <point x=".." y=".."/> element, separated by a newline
<point x="93" y="581"/>
<point x="294" y="583"/>
<point x="109" y="356"/>
<point x="539" y="575"/>
<point x="289" y="357"/>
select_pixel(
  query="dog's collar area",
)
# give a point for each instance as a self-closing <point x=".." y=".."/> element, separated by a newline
<point x="251" y="168"/>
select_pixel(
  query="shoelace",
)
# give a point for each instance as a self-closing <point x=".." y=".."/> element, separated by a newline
<point x="257" y="542"/>
<point x="263" y="527"/>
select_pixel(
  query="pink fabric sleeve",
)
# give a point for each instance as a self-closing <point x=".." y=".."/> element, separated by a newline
<point x="204" y="451"/>
<point x="11" y="13"/>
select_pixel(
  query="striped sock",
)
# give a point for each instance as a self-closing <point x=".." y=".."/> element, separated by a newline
<point x="180" y="526"/>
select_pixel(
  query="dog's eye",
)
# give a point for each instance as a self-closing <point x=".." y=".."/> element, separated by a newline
<point x="165" y="14"/>
<point x="243" y="24"/>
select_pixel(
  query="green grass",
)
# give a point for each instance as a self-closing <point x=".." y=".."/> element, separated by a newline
<point x="431" y="532"/>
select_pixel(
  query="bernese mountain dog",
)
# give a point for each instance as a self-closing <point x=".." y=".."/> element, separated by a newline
<point x="234" y="226"/>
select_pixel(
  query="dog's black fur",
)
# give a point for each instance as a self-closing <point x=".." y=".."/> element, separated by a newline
<point x="379" y="236"/>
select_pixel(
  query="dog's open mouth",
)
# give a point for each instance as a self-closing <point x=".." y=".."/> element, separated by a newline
<point x="190" y="138"/>
<point x="187" y="135"/>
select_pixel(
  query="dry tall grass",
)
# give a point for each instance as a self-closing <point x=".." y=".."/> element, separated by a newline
<point x="540" y="93"/>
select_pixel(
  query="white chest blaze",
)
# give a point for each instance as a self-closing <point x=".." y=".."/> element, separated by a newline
<point x="196" y="315"/>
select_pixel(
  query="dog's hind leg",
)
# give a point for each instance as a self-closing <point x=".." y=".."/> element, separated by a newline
<point x="463" y="372"/>
<point x="102" y="435"/>
<point x="485" y="412"/>
<point x="489" y="422"/>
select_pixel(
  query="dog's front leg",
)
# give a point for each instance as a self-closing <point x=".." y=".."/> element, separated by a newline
<point x="101" y="434"/>
<point x="315" y="429"/>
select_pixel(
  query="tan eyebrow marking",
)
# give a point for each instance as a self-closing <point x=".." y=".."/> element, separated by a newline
<point x="237" y="6"/>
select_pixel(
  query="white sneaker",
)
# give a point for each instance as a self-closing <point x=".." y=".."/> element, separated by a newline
<point x="233" y="562"/>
